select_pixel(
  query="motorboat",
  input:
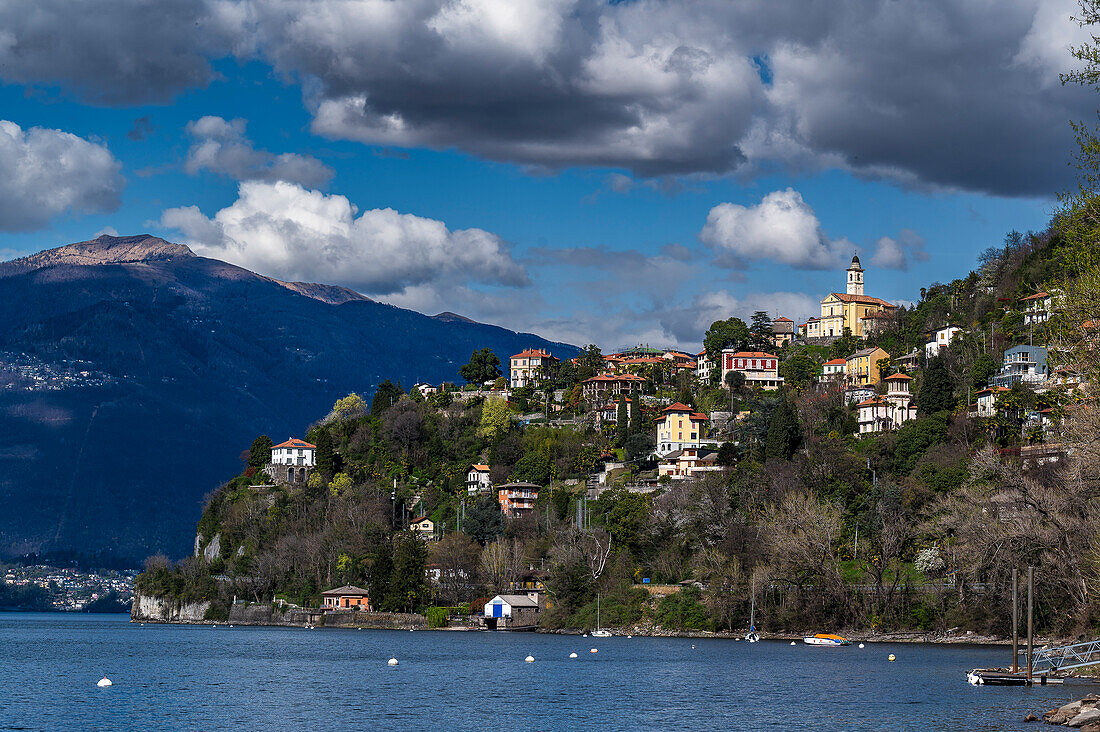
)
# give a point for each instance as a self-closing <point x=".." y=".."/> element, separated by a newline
<point x="826" y="639"/>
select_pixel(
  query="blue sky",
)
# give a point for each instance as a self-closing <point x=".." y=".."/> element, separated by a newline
<point x="667" y="184"/>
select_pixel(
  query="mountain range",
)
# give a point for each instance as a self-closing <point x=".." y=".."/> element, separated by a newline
<point x="133" y="373"/>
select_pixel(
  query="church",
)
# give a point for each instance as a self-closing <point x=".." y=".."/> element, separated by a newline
<point x="852" y="310"/>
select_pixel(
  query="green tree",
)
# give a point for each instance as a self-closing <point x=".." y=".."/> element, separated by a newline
<point x="727" y="454"/>
<point x="483" y="366"/>
<point x="846" y="345"/>
<point x="638" y="446"/>
<point x="622" y="420"/>
<point x="496" y="419"/>
<point x="590" y="362"/>
<point x="729" y="333"/>
<point x="761" y="331"/>
<point x="937" y="392"/>
<point x="385" y="396"/>
<point x="325" y="464"/>
<point x="350" y="407"/>
<point x="408" y="588"/>
<point x="484" y="520"/>
<point x="982" y="370"/>
<point x="784" y="434"/>
<point x="799" y="369"/>
<point x="259" y="454"/>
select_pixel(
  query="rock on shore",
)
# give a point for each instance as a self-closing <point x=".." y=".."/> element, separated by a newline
<point x="1083" y="714"/>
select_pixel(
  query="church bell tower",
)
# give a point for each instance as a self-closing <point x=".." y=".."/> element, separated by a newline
<point x="855" y="277"/>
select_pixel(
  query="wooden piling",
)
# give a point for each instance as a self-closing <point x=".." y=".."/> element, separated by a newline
<point x="1030" y="618"/>
<point x="1015" y="620"/>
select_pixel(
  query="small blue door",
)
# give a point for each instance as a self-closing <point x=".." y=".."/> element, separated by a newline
<point x="498" y="610"/>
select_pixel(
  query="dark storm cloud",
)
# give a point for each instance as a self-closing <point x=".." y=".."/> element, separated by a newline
<point x="938" y="94"/>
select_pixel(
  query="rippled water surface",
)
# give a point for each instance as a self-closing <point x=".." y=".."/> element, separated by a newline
<point x="198" y="677"/>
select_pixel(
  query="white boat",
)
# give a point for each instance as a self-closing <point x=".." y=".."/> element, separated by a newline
<point x="752" y="636"/>
<point x="598" y="632"/>
<point x="826" y="639"/>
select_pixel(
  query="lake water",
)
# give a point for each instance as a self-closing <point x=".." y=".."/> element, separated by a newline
<point x="203" y="678"/>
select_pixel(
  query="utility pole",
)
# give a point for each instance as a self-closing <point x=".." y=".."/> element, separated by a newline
<point x="1015" y="620"/>
<point x="1030" y="619"/>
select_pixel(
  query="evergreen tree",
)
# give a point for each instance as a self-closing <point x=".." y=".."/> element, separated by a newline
<point x="408" y="590"/>
<point x="727" y="454"/>
<point x="729" y="333"/>
<point x="484" y="520"/>
<point x="937" y="392"/>
<point x="784" y="434"/>
<point x="761" y="331"/>
<point x="622" y="426"/>
<point x="325" y="463"/>
<point x="259" y="454"/>
<point x="387" y="394"/>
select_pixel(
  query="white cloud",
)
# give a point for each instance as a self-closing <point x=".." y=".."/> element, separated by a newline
<point x="45" y="173"/>
<point x="221" y="146"/>
<point x="286" y="231"/>
<point x="782" y="228"/>
<point x="688" y="324"/>
<point x="895" y="252"/>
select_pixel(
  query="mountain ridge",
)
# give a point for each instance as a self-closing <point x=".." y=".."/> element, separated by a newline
<point x="133" y="372"/>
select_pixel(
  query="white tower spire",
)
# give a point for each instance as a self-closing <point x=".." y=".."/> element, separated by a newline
<point x="855" y="277"/>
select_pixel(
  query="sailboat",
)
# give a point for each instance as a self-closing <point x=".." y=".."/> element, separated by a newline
<point x="599" y="632"/>
<point x="752" y="636"/>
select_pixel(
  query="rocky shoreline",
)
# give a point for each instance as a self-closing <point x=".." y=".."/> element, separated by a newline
<point x="1083" y="714"/>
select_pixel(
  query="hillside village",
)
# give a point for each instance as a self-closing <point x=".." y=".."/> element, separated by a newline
<point x="840" y="464"/>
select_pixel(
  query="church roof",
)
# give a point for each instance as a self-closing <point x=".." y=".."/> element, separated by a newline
<point x="865" y="299"/>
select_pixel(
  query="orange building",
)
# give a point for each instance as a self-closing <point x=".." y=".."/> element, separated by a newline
<point x="345" y="598"/>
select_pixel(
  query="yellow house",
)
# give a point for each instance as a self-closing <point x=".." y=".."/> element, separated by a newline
<point x="861" y="368"/>
<point x="423" y="527"/>
<point x="840" y="310"/>
<point x="680" y="427"/>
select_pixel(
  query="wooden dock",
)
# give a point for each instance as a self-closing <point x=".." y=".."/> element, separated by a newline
<point x="1002" y="677"/>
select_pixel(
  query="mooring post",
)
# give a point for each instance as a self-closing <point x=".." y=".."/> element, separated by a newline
<point x="1015" y="620"/>
<point x="1030" y="618"/>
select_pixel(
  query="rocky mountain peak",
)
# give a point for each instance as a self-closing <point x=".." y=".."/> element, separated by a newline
<point x="104" y="250"/>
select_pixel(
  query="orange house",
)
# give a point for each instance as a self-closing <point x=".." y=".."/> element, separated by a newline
<point x="346" y="597"/>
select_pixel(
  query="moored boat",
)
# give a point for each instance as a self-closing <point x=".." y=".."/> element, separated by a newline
<point x="826" y="639"/>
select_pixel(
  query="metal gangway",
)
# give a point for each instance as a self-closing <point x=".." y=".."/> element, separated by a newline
<point x="1064" y="658"/>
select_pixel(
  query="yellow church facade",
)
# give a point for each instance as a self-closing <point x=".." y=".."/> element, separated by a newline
<point x="846" y="310"/>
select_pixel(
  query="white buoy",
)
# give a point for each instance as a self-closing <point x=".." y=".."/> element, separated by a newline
<point x="530" y="659"/>
<point x="693" y="646"/>
<point x="792" y="643"/>
<point x="630" y="636"/>
<point x="104" y="682"/>
<point x="593" y="651"/>
<point x="861" y="645"/>
<point x="584" y="635"/>
<point x="890" y="657"/>
<point x="392" y="662"/>
<point x="573" y="655"/>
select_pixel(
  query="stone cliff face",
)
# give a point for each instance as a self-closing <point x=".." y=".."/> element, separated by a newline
<point x="166" y="610"/>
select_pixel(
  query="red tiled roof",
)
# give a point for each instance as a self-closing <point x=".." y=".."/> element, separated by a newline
<point x="866" y="299"/>
<point x="753" y="354"/>
<point x="533" y="353"/>
<point x="296" y="443"/>
<point x="899" y="377"/>
<point x="1036" y="296"/>
<point x="482" y="468"/>
<point x="836" y="362"/>
<point x="872" y="402"/>
<point x="677" y="407"/>
<point x="615" y="377"/>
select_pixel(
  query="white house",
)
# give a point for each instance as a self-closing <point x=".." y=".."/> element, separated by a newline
<point x="833" y="370"/>
<point x="294" y="452"/>
<point x="688" y="463"/>
<point x="1037" y="308"/>
<point x="529" y="367"/>
<point x="512" y="611"/>
<point x="888" y="412"/>
<point x="760" y="369"/>
<point x="477" y="480"/>
<point x="939" y="339"/>
<point x="985" y="404"/>
<point x="703" y="367"/>
<point x="680" y="427"/>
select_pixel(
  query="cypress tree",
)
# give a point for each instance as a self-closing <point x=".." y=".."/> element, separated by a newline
<point x="622" y="426"/>
<point x="326" y="455"/>
<point x="259" y="454"/>
<point x="784" y="434"/>
<point x="937" y="392"/>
